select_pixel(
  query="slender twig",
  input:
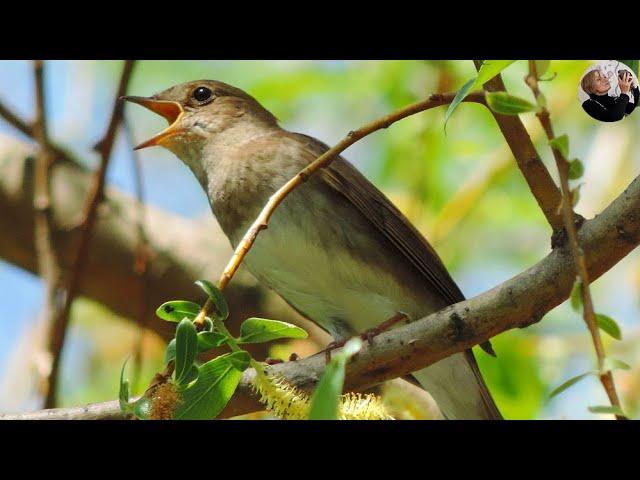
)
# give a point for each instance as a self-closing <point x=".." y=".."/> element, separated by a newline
<point x="13" y="119"/>
<point x="143" y="253"/>
<point x="322" y="161"/>
<point x="48" y="265"/>
<point x="515" y="303"/>
<point x="588" y="311"/>
<point x="96" y="195"/>
<point x="529" y="162"/>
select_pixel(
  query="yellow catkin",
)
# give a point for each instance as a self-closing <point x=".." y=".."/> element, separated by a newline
<point x="287" y="402"/>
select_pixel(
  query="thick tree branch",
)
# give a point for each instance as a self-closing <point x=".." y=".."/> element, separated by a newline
<point x="182" y="250"/>
<point x="516" y="303"/>
<point x="534" y="171"/>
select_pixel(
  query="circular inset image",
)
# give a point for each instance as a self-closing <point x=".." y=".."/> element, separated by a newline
<point x="609" y="91"/>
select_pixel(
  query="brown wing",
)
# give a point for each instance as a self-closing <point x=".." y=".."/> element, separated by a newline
<point x="349" y="182"/>
<point x="374" y="205"/>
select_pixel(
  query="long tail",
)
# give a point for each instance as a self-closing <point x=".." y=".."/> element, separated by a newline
<point x="457" y="386"/>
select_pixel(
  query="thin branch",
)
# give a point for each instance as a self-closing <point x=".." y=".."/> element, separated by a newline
<point x="534" y="171"/>
<point x="16" y="121"/>
<point x="516" y="303"/>
<point x="142" y="257"/>
<point x="48" y="265"/>
<point x="59" y="328"/>
<point x="589" y="315"/>
<point x="322" y="161"/>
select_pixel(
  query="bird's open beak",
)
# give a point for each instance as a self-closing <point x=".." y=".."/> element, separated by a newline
<point x="172" y="111"/>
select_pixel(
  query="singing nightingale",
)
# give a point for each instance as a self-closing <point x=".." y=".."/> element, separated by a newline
<point x="337" y="250"/>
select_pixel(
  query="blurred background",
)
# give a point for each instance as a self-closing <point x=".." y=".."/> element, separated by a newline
<point x="462" y="189"/>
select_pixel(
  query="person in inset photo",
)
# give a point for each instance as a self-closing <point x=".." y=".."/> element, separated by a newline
<point x="609" y="91"/>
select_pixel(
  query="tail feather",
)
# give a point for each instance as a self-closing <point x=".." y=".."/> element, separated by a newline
<point x="458" y="388"/>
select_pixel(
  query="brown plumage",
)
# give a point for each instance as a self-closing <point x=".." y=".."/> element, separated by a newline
<point x="336" y="249"/>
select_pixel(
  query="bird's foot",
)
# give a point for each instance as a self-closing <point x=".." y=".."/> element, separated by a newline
<point x="370" y="334"/>
<point x="367" y="335"/>
<point x="273" y="361"/>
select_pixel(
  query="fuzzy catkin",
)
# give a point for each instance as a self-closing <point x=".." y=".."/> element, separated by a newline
<point x="288" y="402"/>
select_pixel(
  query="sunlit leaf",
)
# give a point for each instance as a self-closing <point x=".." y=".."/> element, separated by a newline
<point x="576" y="295"/>
<point x="609" y="325"/>
<point x="256" y="330"/>
<point x="576" y="169"/>
<point x="611" y="364"/>
<point x="209" y="340"/>
<point x="326" y="396"/>
<point x="123" y="394"/>
<point x="561" y="144"/>
<point x="569" y="383"/>
<point x="176" y="310"/>
<point x="607" y="409"/>
<point x="575" y="194"/>
<point x="216" y="296"/>
<point x="506" y="104"/>
<point x="208" y="395"/>
<point x="462" y="93"/>
<point x="489" y="69"/>
<point x="238" y="360"/>
<point x="186" y="349"/>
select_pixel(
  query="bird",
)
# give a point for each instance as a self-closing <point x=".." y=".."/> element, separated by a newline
<point x="337" y="250"/>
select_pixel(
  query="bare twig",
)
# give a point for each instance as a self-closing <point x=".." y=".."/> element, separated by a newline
<point x="143" y="254"/>
<point x="322" y="161"/>
<point x="535" y="173"/>
<point x="589" y="314"/>
<point x="48" y="266"/>
<point x="59" y="328"/>
<point x="516" y="303"/>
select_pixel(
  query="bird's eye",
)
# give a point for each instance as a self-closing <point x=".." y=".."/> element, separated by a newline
<point x="202" y="93"/>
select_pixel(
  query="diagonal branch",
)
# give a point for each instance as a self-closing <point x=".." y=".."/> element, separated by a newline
<point x="534" y="171"/>
<point x="59" y="328"/>
<point x="516" y="303"/>
<point x="606" y="377"/>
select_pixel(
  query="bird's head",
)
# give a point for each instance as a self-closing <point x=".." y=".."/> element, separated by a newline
<point x="199" y="111"/>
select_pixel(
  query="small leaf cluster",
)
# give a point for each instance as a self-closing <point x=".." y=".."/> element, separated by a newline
<point x="205" y="389"/>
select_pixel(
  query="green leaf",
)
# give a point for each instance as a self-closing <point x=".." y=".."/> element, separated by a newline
<point x="462" y="93"/>
<point x="561" y="144"/>
<point x="506" y="104"/>
<point x="186" y="349"/>
<point x="207" y="396"/>
<point x="575" y="195"/>
<point x="611" y="364"/>
<point x="576" y="295"/>
<point x="541" y="67"/>
<point x="326" y="397"/>
<point x="216" y="295"/>
<point x="256" y="330"/>
<point x="489" y="69"/>
<point x="142" y="408"/>
<point x="123" y="394"/>
<point x="576" y="169"/>
<point x="238" y="360"/>
<point x="607" y="409"/>
<point x="569" y="383"/>
<point x="170" y="352"/>
<point x="608" y="325"/>
<point x="209" y="340"/>
<point x="176" y="310"/>
<point x="206" y="341"/>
